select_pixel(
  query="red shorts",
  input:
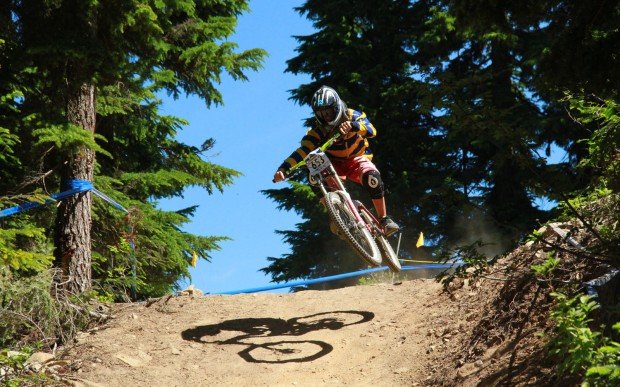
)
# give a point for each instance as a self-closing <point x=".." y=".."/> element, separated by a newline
<point x="353" y="169"/>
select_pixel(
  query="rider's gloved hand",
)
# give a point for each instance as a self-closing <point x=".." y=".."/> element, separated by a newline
<point x="278" y="176"/>
<point x="345" y="127"/>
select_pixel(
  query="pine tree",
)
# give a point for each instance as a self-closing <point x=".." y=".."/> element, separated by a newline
<point x="486" y="120"/>
<point x="465" y="96"/>
<point x="582" y="41"/>
<point x="364" y="55"/>
<point x="91" y="64"/>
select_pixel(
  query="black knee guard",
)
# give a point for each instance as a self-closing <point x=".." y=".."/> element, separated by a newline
<point x="371" y="180"/>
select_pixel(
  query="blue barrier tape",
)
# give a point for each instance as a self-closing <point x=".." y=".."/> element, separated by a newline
<point x="71" y="187"/>
<point x="333" y="278"/>
<point x="591" y="287"/>
<point x="83" y="185"/>
<point x="109" y="200"/>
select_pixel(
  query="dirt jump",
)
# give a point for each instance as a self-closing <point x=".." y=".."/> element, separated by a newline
<point x="381" y="334"/>
<point x="488" y="330"/>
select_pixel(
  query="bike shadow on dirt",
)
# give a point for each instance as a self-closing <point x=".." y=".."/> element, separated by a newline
<point x="255" y="334"/>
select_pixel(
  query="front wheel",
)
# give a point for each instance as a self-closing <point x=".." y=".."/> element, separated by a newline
<point x="389" y="256"/>
<point x="356" y="234"/>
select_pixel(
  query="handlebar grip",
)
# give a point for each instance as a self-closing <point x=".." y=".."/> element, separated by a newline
<point x="286" y="174"/>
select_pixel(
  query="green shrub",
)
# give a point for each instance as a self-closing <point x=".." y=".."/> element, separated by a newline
<point x="546" y="268"/>
<point x="23" y="246"/>
<point x="20" y="259"/>
<point x="32" y="311"/>
<point x="12" y="363"/>
<point x="603" y="151"/>
<point x="14" y="370"/>
<point x="606" y="370"/>
<point x="581" y="350"/>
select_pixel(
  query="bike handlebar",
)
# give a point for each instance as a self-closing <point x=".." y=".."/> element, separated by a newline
<point x="323" y="147"/>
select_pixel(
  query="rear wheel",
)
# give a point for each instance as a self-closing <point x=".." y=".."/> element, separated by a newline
<point x="389" y="256"/>
<point x="356" y="234"/>
<point x="387" y="252"/>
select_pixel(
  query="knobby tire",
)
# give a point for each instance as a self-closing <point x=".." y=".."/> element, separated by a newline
<point x="389" y="256"/>
<point x="387" y="252"/>
<point x="358" y="237"/>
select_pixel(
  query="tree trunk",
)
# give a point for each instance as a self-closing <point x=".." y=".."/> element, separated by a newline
<point x="73" y="220"/>
<point x="508" y="199"/>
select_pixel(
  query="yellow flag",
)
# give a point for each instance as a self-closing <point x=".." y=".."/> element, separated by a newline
<point x="194" y="259"/>
<point x="420" y="241"/>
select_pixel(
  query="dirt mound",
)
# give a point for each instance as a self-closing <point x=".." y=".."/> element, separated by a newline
<point x="373" y="334"/>
<point x="481" y="331"/>
<point x="509" y="306"/>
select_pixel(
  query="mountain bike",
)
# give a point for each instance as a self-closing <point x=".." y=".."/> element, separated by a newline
<point x="355" y="223"/>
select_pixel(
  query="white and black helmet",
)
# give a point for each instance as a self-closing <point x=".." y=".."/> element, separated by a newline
<point x="327" y="106"/>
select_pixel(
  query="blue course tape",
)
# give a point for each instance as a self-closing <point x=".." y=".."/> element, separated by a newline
<point x="71" y="187"/>
<point x="591" y="287"/>
<point x="109" y="200"/>
<point x="82" y="185"/>
<point x="334" y="277"/>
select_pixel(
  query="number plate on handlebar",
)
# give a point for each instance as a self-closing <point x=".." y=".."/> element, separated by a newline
<point x="317" y="161"/>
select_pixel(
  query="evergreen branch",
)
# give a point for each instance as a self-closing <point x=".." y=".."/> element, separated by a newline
<point x="69" y="138"/>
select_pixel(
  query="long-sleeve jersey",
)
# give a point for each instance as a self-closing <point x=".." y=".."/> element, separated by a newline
<point x="351" y="145"/>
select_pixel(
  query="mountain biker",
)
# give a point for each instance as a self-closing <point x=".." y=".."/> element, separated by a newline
<point x="350" y="155"/>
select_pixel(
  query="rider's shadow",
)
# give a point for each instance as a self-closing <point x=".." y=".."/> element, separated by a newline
<point x="284" y="351"/>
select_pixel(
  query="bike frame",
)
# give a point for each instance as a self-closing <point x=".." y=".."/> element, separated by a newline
<point x="372" y="244"/>
<point x="340" y="186"/>
<point x="330" y="175"/>
<point x="361" y="208"/>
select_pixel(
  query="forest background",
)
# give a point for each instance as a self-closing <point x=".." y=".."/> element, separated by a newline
<point x="470" y="97"/>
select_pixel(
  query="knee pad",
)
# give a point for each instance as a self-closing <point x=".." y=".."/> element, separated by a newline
<point x="371" y="180"/>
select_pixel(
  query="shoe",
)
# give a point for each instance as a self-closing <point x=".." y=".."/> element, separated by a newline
<point x="389" y="226"/>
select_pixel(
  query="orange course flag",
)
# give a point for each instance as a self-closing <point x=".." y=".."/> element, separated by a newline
<point x="420" y="241"/>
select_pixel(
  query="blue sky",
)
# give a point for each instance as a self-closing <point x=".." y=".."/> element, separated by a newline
<point x="255" y="129"/>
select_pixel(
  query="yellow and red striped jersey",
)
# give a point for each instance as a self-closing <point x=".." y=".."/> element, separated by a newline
<point x="354" y="144"/>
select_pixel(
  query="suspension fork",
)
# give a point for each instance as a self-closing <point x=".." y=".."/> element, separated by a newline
<point x="336" y="183"/>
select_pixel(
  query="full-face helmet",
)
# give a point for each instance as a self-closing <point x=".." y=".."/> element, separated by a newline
<point x="327" y="106"/>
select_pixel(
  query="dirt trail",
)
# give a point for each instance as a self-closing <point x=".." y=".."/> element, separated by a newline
<point x="485" y="330"/>
<point x="379" y="334"/>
